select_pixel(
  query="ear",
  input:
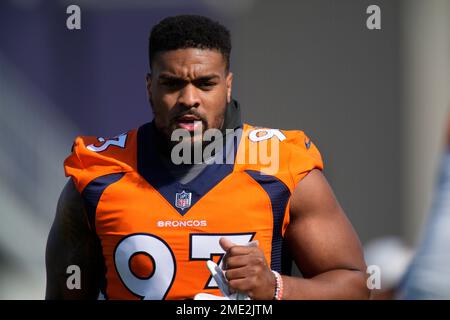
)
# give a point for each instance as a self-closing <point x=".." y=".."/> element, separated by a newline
<point x="229" y="82"/>
<point x="148" y="79"/>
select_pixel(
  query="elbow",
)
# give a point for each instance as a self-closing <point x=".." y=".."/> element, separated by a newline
<point x="358" y="284"/>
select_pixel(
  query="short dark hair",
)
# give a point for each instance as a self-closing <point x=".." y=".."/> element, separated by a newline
<point x="189" y="31"/>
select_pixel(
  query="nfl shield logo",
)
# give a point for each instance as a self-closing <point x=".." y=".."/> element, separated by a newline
<point x="183" y="200"/>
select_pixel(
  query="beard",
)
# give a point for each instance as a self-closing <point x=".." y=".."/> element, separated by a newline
<point x="186" y="128"/>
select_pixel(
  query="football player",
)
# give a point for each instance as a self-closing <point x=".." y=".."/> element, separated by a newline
<point x="140" y="226"/>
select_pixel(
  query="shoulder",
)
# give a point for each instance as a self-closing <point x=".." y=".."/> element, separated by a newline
<point x="291" y="150"/>
<point x="93" y="156"/>
<point x="296" y="139"/>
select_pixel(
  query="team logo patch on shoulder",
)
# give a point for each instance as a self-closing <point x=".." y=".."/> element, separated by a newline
<point x="183" y="200"/>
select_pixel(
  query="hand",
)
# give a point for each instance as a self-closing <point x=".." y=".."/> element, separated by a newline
<point x="247" y="271"/>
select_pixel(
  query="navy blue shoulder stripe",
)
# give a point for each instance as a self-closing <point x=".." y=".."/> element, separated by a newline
<point x="279" y="195"/>
<point x="91" y="196"/>
<point x="94" y="190"/>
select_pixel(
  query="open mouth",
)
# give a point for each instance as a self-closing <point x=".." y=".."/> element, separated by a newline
<point x="188" y="122"/>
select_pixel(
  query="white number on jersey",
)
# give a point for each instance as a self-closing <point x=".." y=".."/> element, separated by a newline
<point x="157" y="286"/>
<point x="118" y="141"/>
<point x="202" y="247"/>
<point x="262" y="134"/>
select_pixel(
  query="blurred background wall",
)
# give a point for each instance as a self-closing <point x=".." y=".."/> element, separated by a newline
<point x="374" y="101"/>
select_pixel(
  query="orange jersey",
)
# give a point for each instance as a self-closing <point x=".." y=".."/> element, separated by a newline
<point x="157" y="234"/>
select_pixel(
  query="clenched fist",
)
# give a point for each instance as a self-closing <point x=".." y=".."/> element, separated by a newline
<point x="247" y="271"/>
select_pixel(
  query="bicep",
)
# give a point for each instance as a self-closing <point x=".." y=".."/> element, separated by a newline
<point x="72" y="242"/>
<point x="319" y="236"/>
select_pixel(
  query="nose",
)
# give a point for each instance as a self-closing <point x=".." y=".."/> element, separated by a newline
<point x="189" y="97"/>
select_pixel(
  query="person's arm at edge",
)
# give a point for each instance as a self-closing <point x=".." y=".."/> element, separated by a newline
<point x="72" y="242"/>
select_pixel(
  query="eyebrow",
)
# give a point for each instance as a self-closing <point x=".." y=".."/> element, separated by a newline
<point x="207" y="77"/>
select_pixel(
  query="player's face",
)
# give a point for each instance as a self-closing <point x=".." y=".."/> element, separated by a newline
<point x="189" y="87"/>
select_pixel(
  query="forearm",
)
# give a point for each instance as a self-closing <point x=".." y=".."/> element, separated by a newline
<point x="335" y="284"/>
<point x="72" y="243"/>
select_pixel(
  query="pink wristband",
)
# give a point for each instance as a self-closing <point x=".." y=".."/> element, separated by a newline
<point x="278" y="295"/>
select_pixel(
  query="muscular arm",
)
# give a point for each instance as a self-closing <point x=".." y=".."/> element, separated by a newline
<point x="72" y="242"/>
<point x="322" y="242"/>
<point x="324" y="246"/>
